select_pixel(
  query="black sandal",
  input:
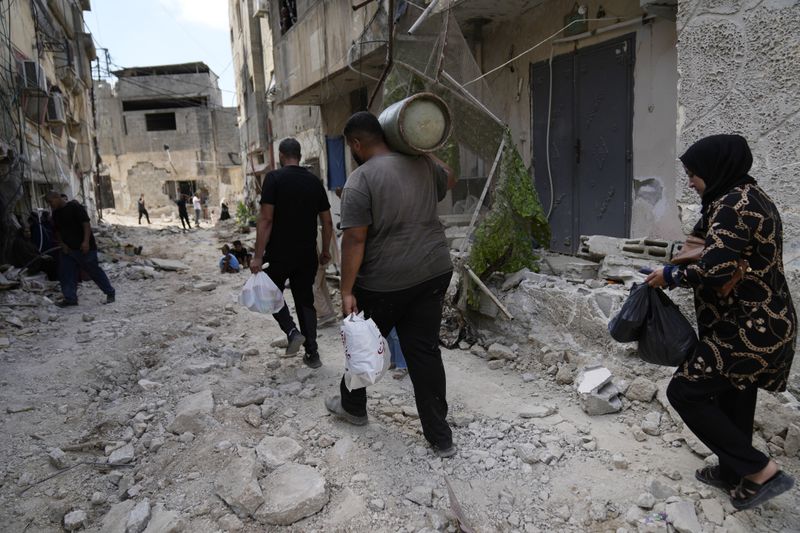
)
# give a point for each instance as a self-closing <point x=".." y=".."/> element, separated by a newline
<point x="750" y="494"/>
<point x="710" y="475"/>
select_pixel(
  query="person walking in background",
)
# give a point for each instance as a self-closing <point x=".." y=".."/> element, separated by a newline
<point x="198" y="207"/>
<point x="396" y="267"/>
<point x="292" y="200"/>
<point x="142" y="209"/>
<point x="182" y="212"/>
<point x="747" y="329"/>
<point x="78" y="250"/>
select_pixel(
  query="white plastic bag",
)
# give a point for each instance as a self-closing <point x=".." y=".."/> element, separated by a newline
<point x="260" y="294"/>
<point x="366" y="353"/>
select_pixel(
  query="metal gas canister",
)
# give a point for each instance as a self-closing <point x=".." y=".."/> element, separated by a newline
<point x="416" y="125"/>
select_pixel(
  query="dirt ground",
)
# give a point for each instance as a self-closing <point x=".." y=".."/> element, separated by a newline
<point x="107" y="377"/>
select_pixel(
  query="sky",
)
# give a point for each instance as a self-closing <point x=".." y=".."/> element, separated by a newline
<point x="162" y="32"/>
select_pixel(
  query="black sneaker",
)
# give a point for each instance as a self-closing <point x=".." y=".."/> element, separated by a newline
<point x="65" y="303"/>
<point x="296" y="340"/>
<point x="111" y="298"/>
<point x="312" y="360"/>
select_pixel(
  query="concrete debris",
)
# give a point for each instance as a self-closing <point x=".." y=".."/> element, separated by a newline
<point x="204" y="367"/>
<point x="75" y="520"/>
<point x="652" y="423"/>
<point x="237" y="485"/>
<point x="646" y="501"/>
<point x="537" y="411"/>
<point x="57" y="458"/>
<point x="623" y="269"/>
<point x="641" y="389"/>
<point x="499" y="351"/>
<point x="350" y="505"/>
<point x="661" y="490"/>
<point x="620" y="461"/>
<point x="512" y="281"/>
<point x="682" y="516"/>
<point x="276" y="451"/>
<point x="593" y="379"/>
<point x="791" y="444"/>
<point x="495" y="364"/>
<point x="138" y="517"/>
<point x="572" y="268"/>
<point x="122" y="455"/>
<point x="191" y="412"/>
<point x="255" y="395"/>
<point x="147" y="385"/>
<point x="421" y="495"/>
<point x="602" y="401"/>
<point x="565" y="375"/>
<point x="293" y="492"/>
<point x="205" y="286"/>
<point x="377" y="504"/>
<point x="713" y="511"/>
<point x="230" y="522"/>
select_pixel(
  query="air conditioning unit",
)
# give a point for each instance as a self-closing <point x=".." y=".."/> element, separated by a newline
<point x="260" y="8"/>
<point x="32" y="76"/>
<point x="55" y="109"/>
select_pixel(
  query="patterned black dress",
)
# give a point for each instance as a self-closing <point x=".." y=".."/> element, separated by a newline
<point x="748" y="336"/>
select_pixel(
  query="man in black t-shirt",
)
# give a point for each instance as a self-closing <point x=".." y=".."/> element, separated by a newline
<point x="292" y="199"/>
<point x="78" y="249"/>
<point x="182" y="212"/>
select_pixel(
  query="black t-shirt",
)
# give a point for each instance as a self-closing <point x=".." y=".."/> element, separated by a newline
<point x="68" y="222"/>
<point x="241" y="255"/>
<point x="181" y="205"/>
<point x="299" y="198"/>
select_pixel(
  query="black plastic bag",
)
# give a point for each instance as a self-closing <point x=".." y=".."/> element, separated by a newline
<point x="628" y="324"/>
<point x="652" y="318"/>
<point x="667" y="338"/>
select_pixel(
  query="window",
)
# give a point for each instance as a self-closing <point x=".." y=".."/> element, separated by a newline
<point x="160" y="121"/>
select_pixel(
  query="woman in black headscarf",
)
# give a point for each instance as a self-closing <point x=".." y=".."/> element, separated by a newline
<point x="747" y="328"/>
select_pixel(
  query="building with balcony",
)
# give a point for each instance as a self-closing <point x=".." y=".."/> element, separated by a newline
<point x="46" y="126"/>
<point x="163" y="131"/>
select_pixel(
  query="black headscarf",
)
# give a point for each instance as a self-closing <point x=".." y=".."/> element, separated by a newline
<point x="722" y="162"/>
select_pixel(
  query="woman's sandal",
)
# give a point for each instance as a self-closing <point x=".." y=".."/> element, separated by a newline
<point x="710" y="475"/>
<point x="750" y="494"/>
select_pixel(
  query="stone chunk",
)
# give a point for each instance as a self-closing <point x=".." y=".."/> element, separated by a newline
<point x="350" y="506"/>
<point x="191" y="412"/>
<point x="204" y="367"/>
<point x="791" y="444"/>
<point x="683" y="517"/>
<point x="116" y="518"/>
<point x="147" y="385"/>
<point x="276" y="451"/>
<point x="238" y="486"/>
<point x="646" y="500"/>
<point x="537" y="411"/>
<point x="122" y="455"/>
<point x="75" y="520"/>
<point x="168" y="264"/>
<point x="163" y="521"/>
<point x="713" y="511"/>
<point x="593" y="379"/>
<point x="641" y="389"/>
<point x="602" y="401"/>
<point x="57" y="458"/>
<point x="252" y="396"/>
<point x="138" y="517"/>
<point x="293" y="492"/>
<point x="499" y="351"/>
<point x="421" y="495"/>
<point x="205" y="286"/>
<point x="652" y="424"/>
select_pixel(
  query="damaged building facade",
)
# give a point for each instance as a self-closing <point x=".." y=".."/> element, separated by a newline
<point x="165" y="132"/>
<point x="299" y="74"/>
<point x="46" y="122"/>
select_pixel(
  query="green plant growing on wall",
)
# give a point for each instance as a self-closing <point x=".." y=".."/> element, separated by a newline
<point x="503" y="241"/>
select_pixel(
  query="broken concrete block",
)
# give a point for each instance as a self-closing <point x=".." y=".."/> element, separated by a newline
<point x="499" y="351"/>
<point x="75" y="520"/>
<point x="191" y="412"/>
<point x="652" y="424"/>
<point x="168" y="264"/>
<point x="512" y="281"/>
<point x="791" y="444"/>
<point x="683" y="517"/>
<point x="537" y="411"/>
<point x="138" y="517"/>
<point x="205" y="286"/>
<point x="641" y="389"/>
<point x="147" y="385"/>
<point x="570" y="267"/>
<point x="238" y="486"/>
<point x="122" y="455"/>
<point x="421" y="495"/>
<point x="204" y="367"/>
<point x="163" y="521"/>
<point x="250" y="396"/>
<point x="623" y="269"/>
<point x="713" y="511"/>
<point x="276" y="451"/>
<point x="593" y="378"/>
<point x="603" y="401"/>
<point x="115" y="520"/>
<point x="293" y="492"/>
<point x="57" y="458"/>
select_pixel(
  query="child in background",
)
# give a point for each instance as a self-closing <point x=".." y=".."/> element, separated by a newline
<point x="228" y="263"/>
<point x="241" y="253"/>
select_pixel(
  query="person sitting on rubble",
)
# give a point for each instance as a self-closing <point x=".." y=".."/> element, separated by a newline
<point x="224" y="212"/>
<point x="747" y="328"/>
<point x="228" y="264"/>
<point x="241" y="253"/>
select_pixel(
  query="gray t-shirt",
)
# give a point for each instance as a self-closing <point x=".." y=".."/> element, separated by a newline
<point x="396" y="196"/>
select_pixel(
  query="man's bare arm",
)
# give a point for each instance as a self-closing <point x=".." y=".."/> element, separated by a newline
<point x="263" y="232"/>
<point x="353" y="245"/>
<point x="452" y="179"/>
<point x="327" y="234"/>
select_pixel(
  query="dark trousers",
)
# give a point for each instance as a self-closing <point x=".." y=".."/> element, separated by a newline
<point x="185" y="217"/>
<point x="416" y="314"/>
<point x="143" y="212"/>
<point x="721" y="416"/>
<point x="70" y="266"/>
<point x="301" y="280"/>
